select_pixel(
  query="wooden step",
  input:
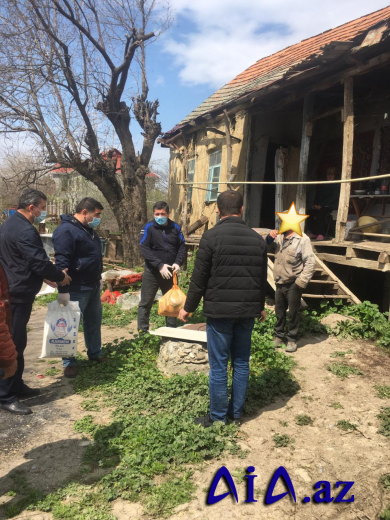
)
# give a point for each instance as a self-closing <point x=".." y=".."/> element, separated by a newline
<point x="328" y="296"/>
<point x="330" y="282"/>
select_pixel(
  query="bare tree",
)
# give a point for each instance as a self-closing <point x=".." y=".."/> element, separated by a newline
<point x="66" y="72"/>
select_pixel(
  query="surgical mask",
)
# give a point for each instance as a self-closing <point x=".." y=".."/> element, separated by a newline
<point x="95" y="222"/>
<point x="42" y="216"/>
<point x="161" y="220"/>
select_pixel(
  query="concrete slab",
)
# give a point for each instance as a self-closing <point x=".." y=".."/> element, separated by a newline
<point x="196" y="336"/>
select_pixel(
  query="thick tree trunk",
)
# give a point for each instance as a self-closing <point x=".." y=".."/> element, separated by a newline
<point x="131" y="215"/>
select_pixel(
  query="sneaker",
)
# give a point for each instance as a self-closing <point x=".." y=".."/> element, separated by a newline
<point x="291" y="346"/>
<point x="278" y="342"/>
<point x="70" y="372"/>
<point x="205" y="421"/>
<point x="311" y="236"/>
<point x="320" y="237"/>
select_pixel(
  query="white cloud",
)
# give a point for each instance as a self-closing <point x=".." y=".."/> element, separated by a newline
<point x="231" y="35"/>
<point x="160" y="80"/>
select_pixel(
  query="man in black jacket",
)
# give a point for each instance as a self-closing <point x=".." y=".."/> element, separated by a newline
<point x="77" y="247"/>
<point x="230" y="273"/>
<point x="26" y="266"/>
<point x="163" y="247"/>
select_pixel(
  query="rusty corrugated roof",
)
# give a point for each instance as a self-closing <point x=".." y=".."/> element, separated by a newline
<point x="272" y="68"/>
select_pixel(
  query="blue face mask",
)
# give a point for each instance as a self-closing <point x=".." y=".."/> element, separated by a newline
<point x="161" y="220"/>
<point x="95" y="222"/>
<point x="42" y="216"/>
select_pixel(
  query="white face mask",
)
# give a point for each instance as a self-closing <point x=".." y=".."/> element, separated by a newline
<point x="42" y="216"/>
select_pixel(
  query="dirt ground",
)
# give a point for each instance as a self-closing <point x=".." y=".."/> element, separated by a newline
<point x="45" y="446"/>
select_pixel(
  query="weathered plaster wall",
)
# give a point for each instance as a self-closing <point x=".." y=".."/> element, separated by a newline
<point x="199" y="146"/>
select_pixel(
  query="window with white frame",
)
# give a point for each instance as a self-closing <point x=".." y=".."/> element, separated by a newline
<point x="214" y="175"/>
<point x="191" y="172"/>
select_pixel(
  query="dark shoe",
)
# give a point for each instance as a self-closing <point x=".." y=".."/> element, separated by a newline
<point x="70" y="372"/>
<point x="17" y="408"/>
<point x="291" y="346"/>
<point x="278" y="342"/>
<point x="100" y="359"/>
<point x="28" y="393"/>
<point x="205" y="421"/>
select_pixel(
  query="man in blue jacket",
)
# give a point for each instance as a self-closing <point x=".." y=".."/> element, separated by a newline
<point x="26" y="266"/>
<point x="163" y="247"/>
<point x="77" y="247"/>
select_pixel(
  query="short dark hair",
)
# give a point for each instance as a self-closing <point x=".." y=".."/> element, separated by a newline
<point x="89" y="204"/>
<point x="30" y="196"/>
<point x="161" y="204"/>
<point x="229" y="202"/>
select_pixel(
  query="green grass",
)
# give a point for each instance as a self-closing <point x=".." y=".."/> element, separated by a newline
<point x="384" y="417"/>
<point x="383" y="391"/>
<point x="336" y="406"/>
<point x="346" y="425"/>
<point x="303" y="420"/>
<point x="52" y="372"/>
<point x="343" y="370"/>
<point x="342" y="354"/>
<point x="42" y="301"/>
<point x="283" y="440"/>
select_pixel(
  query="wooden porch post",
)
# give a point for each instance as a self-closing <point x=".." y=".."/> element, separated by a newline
<point x="308" y="106"/>
<point x="346" y="172"/>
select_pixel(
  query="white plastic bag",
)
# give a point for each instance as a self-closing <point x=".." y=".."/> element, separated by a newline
<point x="129" y="300"/>
<point x="61" y="330"/>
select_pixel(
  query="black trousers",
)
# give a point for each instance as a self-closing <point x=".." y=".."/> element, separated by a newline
<point x="152" y="281"/>
<point x="317" y="222"/>
<point x="287" y="296"/>
<point x="11" y="387"/>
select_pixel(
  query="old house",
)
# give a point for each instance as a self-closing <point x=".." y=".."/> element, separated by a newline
<point x="324" y="102"/>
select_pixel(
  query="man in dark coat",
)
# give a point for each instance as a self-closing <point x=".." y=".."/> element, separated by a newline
<point x="163" y="247"/>
<point x="26" y="266"/>
<point x="78" y="248"/>
<point x="230" y="273"/>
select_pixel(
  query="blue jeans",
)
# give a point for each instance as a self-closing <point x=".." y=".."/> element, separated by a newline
<point x="226" y="336"/>
<point x="91" y="311"/>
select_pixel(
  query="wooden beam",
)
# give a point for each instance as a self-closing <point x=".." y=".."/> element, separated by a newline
<point x="346" y="172"/>
<point x="359" y="228"/>
<point x="352" y="262"/>
<point x="229" y="163"/>
<point x="351" y="253"/>
<point x="383" y="258"/>
<point x="255" y="195"/>
<point x="326" y="114"/>
<point x="308" y="107"/>
<point x="219" y="132"/>
<point x="327" y="296"/>
<point x="381" y="235"/>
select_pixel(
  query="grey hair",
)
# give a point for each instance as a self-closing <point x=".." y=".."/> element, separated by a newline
<point x="30" y="196"/>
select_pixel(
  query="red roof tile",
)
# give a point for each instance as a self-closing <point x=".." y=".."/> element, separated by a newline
<point x="272" y="68"/>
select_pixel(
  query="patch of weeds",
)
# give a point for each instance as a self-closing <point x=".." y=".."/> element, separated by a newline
<point x="28" y="495"/>
<point x="303" y="420"/>
<point x="53" y="361"/>
<point x="239" y="475"/>
<point x="258" y="493"/>
<point x="342" y="354"/>
<point x="90" y="406"/>
<point x="243" y="454"/>
<point x="52" y="372"/>
<point x="283" y="440"/>
<point x="164" y="498"/>
<point x="385" y="515"/>
<point x="343" y="370"/>
<point x="10" y="493"/>
<point x="41" y="360"/>
<point x="383" y="391"/>
<point x="85" y="425"/>
<point x="307" y="398"/>
<point x="384" y="417"/>
<point x="283" y="423"/>
<point x="346" y="425"/>
<point x="336" y="406"/>
<point x="385" y="481"/>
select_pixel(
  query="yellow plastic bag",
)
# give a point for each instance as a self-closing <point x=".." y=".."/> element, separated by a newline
<point x="172" y="302"/>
